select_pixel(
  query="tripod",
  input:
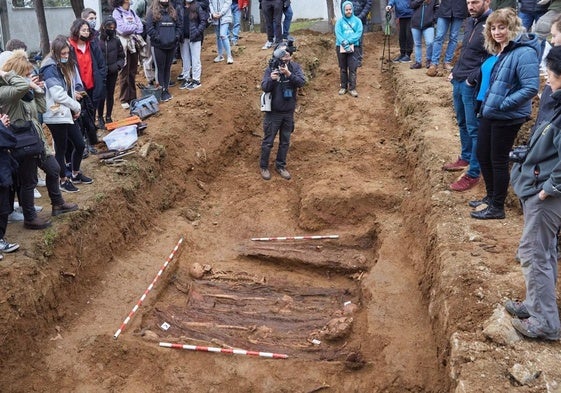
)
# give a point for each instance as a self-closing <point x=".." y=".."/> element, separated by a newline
<point x="387" y="39"/>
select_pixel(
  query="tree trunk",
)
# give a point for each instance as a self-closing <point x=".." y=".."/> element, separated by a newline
<point x="77" y="7"/>
<point x="42" y="24"/>
<point x="331" y="14"/>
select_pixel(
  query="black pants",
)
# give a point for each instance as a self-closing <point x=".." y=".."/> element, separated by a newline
<point x="51" y="168"/>
<point x="109" y="99"/>
<point x="62" y="134"/>
<point x="164" y="59"/>
<point x="26" y="180"/>
<point x="348" y="64"/>
<point x="494" y="141"/>
<point x="272" y="9"/>
<point x="405" y="37"/>
<point x="273" y="123"/>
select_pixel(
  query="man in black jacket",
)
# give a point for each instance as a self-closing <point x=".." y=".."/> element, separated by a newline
<point x="361" y="8"/>
<point x="282" y="79"/>
<point x="463" y="77"/>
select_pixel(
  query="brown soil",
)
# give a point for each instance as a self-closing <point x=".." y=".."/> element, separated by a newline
<point x="395" y="304"/>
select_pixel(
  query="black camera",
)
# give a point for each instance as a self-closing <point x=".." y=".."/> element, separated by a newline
<point x="275" y="64"/>
<point x="518" y="153"/>
<point x="290" y="47"/>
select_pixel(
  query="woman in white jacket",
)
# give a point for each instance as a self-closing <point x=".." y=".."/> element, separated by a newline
<point x="64" y="90"/>
<point x="221" y="15"/>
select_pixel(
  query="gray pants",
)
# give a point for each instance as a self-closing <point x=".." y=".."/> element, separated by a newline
<point x="538" y="257"/>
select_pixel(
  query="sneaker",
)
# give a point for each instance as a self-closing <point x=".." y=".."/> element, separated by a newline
<point x="432" y="71"/>
<point x="166" y="96"/>
<point x="125" y="105"/>
<point x="6" y="246"/>
<point x="16" y="215"/>
<point x="405" y="59"/>
<point x="283" y="173"/>
<point x="81" y="178"/>
<point x="530" y="327"/>
<point x="489" y="213"/>
<point x="38" y="208"/>
<point x="448" y="66"/>
<point x="478" y="202"/>
<point x="267" y="45"/>
<point x="108" y="119"/>
<point x="100" y="123"/>
<point x="517" y="309"/>
<point x="180" y="77"/>
<point x="218" y="59"/>
<point x="416" y="66"/>
<point x="64" y="208"/>
<point x="230" y="60"/>
<point x="185" y="85"/>
<point x="37" y="223"/>
<point x="397" y="59"/>
<point x="67" y="186"/>
<point x="342" y="91"/>
<point x="41" y="182"/>
<point x="458" y="165"/>
<point x="353" y="93"/>
<point x="36" y="193"/>
<point x="464" y="183"/>
<point x="265" y="174"/>
<point x="194" y="85"/>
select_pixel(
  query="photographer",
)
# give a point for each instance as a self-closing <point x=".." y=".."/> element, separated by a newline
<point x="537" y="182"/>
<point x="282" y="78"/>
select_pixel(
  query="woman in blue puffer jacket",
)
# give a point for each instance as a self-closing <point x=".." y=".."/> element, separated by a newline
<point x="509" y="81"/>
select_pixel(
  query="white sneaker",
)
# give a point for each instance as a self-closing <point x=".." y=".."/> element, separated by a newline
<point x="267" y="45"/>
<point x="125" y="105"/>
<point x="230" y="60"/>
<point x="41" y="182"/>
<point x="16" y="215"/>
<point x="36" y="194"/>
<point x="218" y="59"/>
<point x="38" y="208"/>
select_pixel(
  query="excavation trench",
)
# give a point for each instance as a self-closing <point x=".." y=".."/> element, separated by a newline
<point x="349" y="312"/>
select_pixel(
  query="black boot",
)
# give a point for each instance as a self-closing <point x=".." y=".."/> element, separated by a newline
<point x="478" y="202"/>
<point x="489" y="213"/>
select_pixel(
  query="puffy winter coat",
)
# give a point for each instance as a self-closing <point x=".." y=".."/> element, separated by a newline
<point x="166" y="32"/>
<point x="194" y="22"/>
<point x="113" y="53"/>
<point x="514" y="80"/>
<point x="361" y="8"/>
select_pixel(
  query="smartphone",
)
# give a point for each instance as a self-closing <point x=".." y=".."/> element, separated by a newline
<point x="40" y="75"/>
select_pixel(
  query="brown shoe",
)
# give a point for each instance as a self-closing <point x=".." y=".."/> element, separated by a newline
<point x="458" y="165"/>
<point x="64" y="208"/>
<point x="432" y="71"/>
<point x="37" y="223"/>
<point x="448" y="66"/>
<point x="464" y="183"/>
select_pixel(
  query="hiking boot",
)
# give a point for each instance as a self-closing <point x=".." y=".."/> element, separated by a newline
<point x="405" y="59"/>
<point x="432" y="71"/>
<point x="7" y="247"/>
<point x="478" y="202"/>
<point x="342" y="91"/>
<point x="458" y="165"/>
<point x="37" y="223"/>
<point x="415" y="66"/>
<point x="464" y="183"/>
<point x="448" y="66"/>
<point x="166" y="96"/>
<point x="67" y="186"/>
<point x="353" y="93"/>
<point x="194" y="85"/>
<point x="265" y="174"/>
<point x="218" y="59"/>
<point x="517" y="309"/>
<point x="81" y="178"/>
<point x="230" y="60"/>
<point x="283" y="173"/>
<point x="64" y="208"/>
<point x="530" y="327"/>
<point x="267" y="45"/>
<point x="489" y="213"/>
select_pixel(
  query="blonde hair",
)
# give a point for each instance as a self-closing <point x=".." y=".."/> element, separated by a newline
<point x="506" y="16"/>
<point x="19" y="63"/>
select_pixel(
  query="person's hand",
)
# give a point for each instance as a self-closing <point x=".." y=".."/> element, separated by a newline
<point x="5" y="119"/>
<point x="284" y="70"/>
<point x="275" y="75"/>
<point x="78" y="95"/>
<point x="542" y="195"/>
<point x="450" y="77"/>
<point x="36" y="83"/>
<point x="215" y="16"/>
<point x="75" y="116"/>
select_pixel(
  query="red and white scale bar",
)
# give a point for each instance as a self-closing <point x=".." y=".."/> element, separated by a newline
<point x="225" y="350"/>
<point x="307" y="237"/>
<point x="139" y="303"/>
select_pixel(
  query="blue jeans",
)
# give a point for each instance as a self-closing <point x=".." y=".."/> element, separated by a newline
<point x="442" y="26"/>
<point x="222" y="41"/>
<point x="528" y="19"/>
<point x="468" y="123"/>
<point x="236" y="23"/>
<point x="428" y="35"/>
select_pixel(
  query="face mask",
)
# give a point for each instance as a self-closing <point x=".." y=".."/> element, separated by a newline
<point x="111" y="33"/>
<point x="64" y="60"/>
<point x="92" y="24"/>
<point x="85" y="38"/>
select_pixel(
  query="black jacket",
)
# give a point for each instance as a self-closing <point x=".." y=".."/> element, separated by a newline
<point x="361" y="8"/>
<point x="453" y="9"/>
<point x="424" y="13"/>
<point x="166" y="32"/>
<point x="113" y="53"/>
<point x="194" y="22"/>
<point x="473" y="52"/>
<point x="278" y="89"/>
<point x="531" y="6"/>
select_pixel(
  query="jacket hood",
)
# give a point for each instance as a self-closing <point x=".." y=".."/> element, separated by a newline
<point x="109" y="20"/>
<point x="343" y="8"/>
<point x="49" y="61"/>
<point x="526" y="39"/>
